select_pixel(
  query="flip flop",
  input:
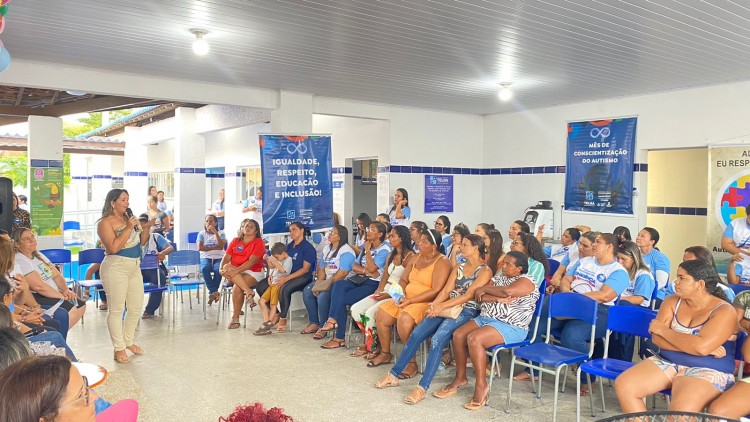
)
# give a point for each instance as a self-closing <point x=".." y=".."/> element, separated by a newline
<point x="262" y="331"/>
<point x="358" y="352"/>
<point x="444" y="393"/>
<point x="333" y="344"/>
<point x="373" y="364"/>
<point x="472" y="405"/>
<point x="308" y="331"/>
<point x="234" y="325"/>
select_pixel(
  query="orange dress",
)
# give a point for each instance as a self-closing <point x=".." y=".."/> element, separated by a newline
<point x="420" y="281"/>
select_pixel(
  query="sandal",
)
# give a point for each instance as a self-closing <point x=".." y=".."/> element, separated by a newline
<point x="103" y="307"/>
<point x="472" y="405"/>
<point x="330" y="325"/>
<point x="121" y="357"/>
<point x="213" y="297"/>
<point x="388" y="381"/>
<point x="446" y="392"/>
<point x="373" y="364"/>
<point x="407" y="375"/>
<point x="371" y="355"/>
<point x="416" y="396"/>
<point x="359" y="351"/>
<point x="235" y="324"/>
<point x="584" y="392"/>
<point x="282" y="326"/>
<point x="250" y="300"/>
<point x="308" y="330"/>
<point x="333" y="344"/>
<point x="263" y="330"/>
<point x="320" y="335"/>
<point x="135" y="349"/>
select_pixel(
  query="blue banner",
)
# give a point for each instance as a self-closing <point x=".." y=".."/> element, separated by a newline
<point x="297" y="182"/>
<point x="438" y="194"/>
<point x="599" y="172"/>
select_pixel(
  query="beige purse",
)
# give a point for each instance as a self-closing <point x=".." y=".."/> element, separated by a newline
<point x="453" y="312"/>
<point x="322" y="285"/>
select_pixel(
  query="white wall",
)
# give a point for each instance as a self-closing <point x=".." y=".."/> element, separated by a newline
<point x="679" y="119"/>
<point x="161" y="156"/>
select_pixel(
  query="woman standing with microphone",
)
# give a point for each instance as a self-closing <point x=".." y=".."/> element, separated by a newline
<point x="122" y="236"/>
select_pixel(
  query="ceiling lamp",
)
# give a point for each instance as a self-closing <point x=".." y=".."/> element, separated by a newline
<point x="505" y="94"/>
<point x="200" y="46"/>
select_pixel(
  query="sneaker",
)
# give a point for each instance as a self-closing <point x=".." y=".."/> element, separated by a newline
<point x="147" y="315"/>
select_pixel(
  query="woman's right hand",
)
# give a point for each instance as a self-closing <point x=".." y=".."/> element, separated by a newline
<point x="720" y="352"/>
<point x="133" y="221"/>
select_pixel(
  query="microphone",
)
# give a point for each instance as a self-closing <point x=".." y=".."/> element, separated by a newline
<point x="129" y="214"/>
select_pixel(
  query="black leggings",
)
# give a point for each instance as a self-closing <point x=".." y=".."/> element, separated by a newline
<point x="285" y="294"/>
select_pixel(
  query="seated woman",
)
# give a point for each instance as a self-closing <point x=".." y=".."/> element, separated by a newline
<point x="642" y="283"/>
<point x="696" y="358"/>
<point x="529" y="246"/>
<point x="585" y="249"/>
<point x="361" y="282"/>
<point x="25" y="307"/>
<point x="362" y="222"/>
<point x="567" y="248"/>
<point x="421" y="283"/>
<point x="733" y="403"/>
<point x="211" y="241"/>
<point x="338" y="258"/>
<point x="654" y="258"/>
<point x="45" y="281"/>
<point x="35" y="333"/>
<point x="363" y="312"/>
<point x="494" y="246"/>
<point x="45" y="388"/>
<point x="242" y="265"/>
<point x="518" y="226"/>
<point x="443" y="226"/>
<point x="622" y="233"/>
<point x="416" y="228"/>
<point x="453" y="252"/>
<point x="507" y="307"/>
<point x="599" y="277"/>
<point x="399" y="213"/>
<point x="700" y="253"/>
<point x="458" y="291"/>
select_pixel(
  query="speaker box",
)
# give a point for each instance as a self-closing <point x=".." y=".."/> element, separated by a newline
<point x="6" y="204"/>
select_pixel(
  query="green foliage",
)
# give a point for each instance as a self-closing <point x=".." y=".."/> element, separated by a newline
<point x="90" y="122"/>
<point x="14" y="168"/>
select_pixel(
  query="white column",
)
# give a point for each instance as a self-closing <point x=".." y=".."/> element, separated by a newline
<point x="232" y="200"/>
<point x="101" y="179"/>
<point x="45" y="152"/>
<point x="190" y="183"/>
<point x="294" y="114"/>
<point x="79" y="183"/>
<point x="135" y="168"/>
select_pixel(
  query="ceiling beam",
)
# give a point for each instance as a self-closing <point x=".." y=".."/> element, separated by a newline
<point x="20" y="96"/>
<point x="82" y="106"/>
<point x="10" y="120"/>
<point x="54" y="98"/>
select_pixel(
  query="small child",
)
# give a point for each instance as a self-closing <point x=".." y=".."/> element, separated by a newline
<point x="279" y="265"/>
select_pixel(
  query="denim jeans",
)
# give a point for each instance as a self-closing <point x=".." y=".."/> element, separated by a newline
<point x="154" y="299"/>
<point x="346" y="292"/>
<point x="209" y="266"/>
<point x="61" y="317"/>
<point x="441" y="330"/>
<point x="56" y="339"/>
<point x="317" y="306"/>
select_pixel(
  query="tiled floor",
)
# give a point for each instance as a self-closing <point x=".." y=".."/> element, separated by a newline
<point x="198" y="371"/>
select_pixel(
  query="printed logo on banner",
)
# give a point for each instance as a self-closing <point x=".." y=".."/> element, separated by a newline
<point x="438" y="194"/>
<point x="297" y="177"/>
<point x="599" y="171"/>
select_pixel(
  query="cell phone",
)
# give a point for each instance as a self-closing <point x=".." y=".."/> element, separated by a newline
<point x="34" y="331"/>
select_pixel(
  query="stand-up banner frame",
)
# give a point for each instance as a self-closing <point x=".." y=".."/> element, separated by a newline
<point x="297" y="181"/>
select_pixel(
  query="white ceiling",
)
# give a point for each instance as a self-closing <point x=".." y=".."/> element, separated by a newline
<point x="441" y="54"/>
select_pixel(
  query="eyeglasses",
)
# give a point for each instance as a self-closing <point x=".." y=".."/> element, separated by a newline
<point x="437" y="223"/>
<point x="27" y="239"/>
<point x="85" y="396"/>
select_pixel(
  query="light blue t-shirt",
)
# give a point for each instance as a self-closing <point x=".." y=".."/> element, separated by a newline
<point x="446" y="241"/>
<point x="643" y="285"/>
<point x="657" y="261"/>
<point x="589" y="275"/>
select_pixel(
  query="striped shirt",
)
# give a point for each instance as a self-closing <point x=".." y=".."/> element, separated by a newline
<point x="517" y="313"/>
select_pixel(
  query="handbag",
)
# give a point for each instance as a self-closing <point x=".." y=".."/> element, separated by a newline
<point x="453" y="312"/>
<point x="322" y="285"/>
<point x="359" y="279"/>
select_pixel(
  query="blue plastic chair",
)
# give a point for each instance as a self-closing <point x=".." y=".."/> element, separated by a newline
<point x="553" y="266"/>
<point x="61" y="258"/>
<point x="87" y="257"/>
<point x="494" y="350"/>
<point x="187" y="259"/>
<point x="192" y="239"/>
<point x="71" y="225"/>
<point x="542" y="356"/>
<point x="151" y="262"/>
<point x="633" y="320"/>
<point x="739" y="288"/>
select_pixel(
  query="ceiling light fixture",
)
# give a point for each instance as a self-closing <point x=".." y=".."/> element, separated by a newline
<point x="200" y="46"/>
<point x="505" y="94"/>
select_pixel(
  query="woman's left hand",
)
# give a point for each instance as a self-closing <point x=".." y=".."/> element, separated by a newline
<point x="404" y="303"/>
<point x="434" y="309"/>
<point x="69" y="295"/>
